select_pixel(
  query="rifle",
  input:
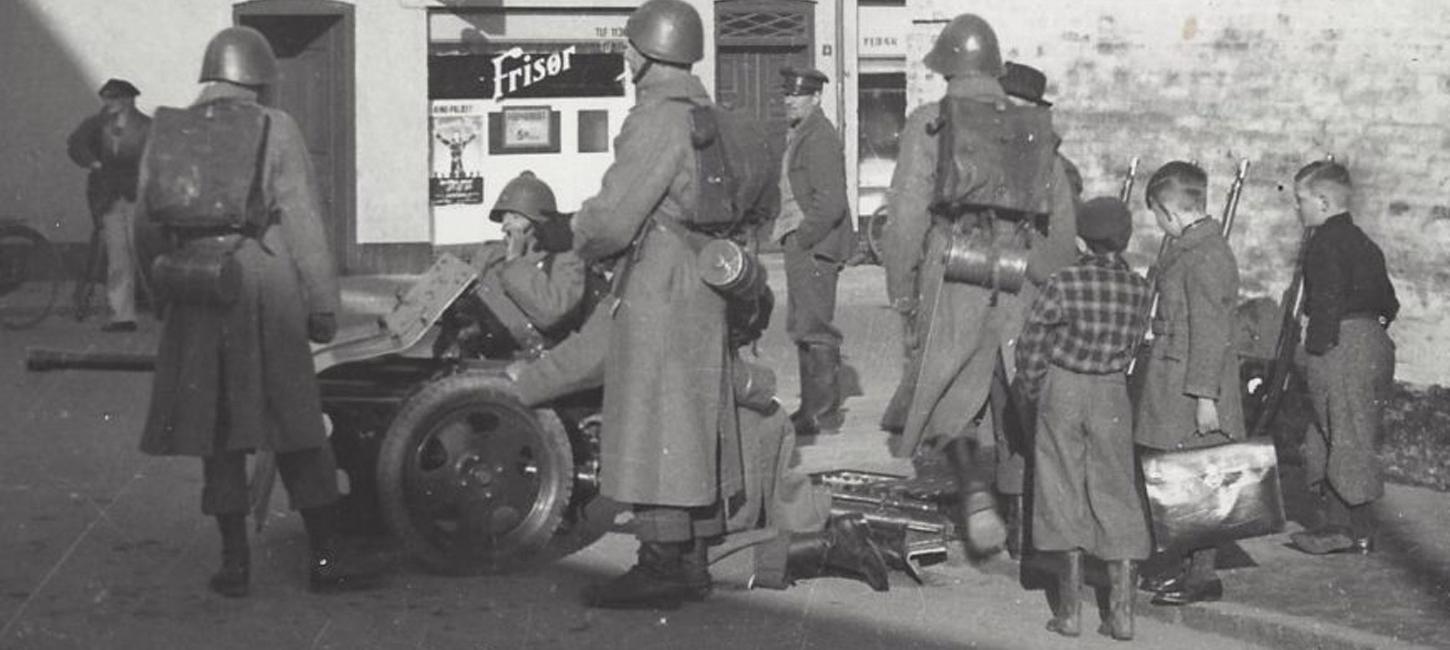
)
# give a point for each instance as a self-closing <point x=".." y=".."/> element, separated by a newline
<point x="1127" y="190"/>
<point x="1230" y="211"/>
<point x="1281" y="368"/>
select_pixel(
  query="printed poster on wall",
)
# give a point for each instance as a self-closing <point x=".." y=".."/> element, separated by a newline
<point x="459" y="139"/>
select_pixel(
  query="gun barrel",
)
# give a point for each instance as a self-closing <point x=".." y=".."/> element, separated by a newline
<point x="40" y="360"/>
<point x="1231" y="207"/>
<point x="1126" y="192"/>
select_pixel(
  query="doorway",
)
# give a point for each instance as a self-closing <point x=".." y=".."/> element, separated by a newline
<point x="755" y="39"/>
<point x="313" y="40"/>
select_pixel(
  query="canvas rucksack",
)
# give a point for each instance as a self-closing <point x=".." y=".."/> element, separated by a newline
<point x="734" y="171"/>
<point x="994" y="156"/>
<point x="204" y="166"/>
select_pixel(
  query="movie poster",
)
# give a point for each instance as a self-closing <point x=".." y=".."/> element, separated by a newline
<point x="458" y="143"/>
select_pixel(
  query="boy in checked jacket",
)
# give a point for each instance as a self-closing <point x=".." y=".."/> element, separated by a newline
<point x="1072" y="358"/>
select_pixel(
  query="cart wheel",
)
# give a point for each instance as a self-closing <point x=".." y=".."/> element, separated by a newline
<point x="875" y="230"/>
<point x="470" y="480"/>
<point x="590" y="515"/>
<point x="30" y="275"/>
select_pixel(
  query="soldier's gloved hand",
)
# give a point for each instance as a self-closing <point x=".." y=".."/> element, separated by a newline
<point x="321" y="326"/>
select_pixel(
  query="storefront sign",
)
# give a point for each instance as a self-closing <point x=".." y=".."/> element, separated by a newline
<point x="519" y="73"/>
<point x="513" y="70"/>
<point x="883" y="31"/>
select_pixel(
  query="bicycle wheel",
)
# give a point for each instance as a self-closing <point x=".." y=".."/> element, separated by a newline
<point x="875" y="227"/>
<point x="30" y="276"/>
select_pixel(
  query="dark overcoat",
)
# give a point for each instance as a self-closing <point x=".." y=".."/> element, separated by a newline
<point x="669" y="434"/>
<point x="115" y="140"/>
<point x="1193" y="352"/>
<point x="816" y="168"/>
<point x="248" y="367"/>
<point x="960" y="332"/>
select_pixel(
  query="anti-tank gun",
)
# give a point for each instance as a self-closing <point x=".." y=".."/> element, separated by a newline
<point x="432" y="438"/>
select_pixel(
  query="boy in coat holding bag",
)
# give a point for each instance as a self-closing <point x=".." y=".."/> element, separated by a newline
<point x="1190" y="397"/>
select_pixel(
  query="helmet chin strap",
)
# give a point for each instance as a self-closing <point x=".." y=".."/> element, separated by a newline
<point x="643" y="68"/>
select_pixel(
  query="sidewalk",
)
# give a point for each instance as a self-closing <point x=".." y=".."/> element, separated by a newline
<point x="1398" y="597"/>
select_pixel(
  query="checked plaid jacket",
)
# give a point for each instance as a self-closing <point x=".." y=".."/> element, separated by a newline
<point x="1088" y="318"/>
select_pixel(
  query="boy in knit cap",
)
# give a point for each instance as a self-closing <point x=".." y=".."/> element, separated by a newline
<point x="1072" y="356"/>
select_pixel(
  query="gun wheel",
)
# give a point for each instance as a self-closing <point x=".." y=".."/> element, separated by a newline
<point x="470" y="480"/>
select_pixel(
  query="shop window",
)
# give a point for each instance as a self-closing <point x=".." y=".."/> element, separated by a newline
<point x="882" y="110"/>
<point x="593" y="131"/>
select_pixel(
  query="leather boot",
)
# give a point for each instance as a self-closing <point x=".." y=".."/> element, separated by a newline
<point x="983" y="528"/>
<point x="695" y="567"/>
<point x="1119" y="622"/>
<point x="233" y="578"/>
<point x="1067" y="611"/>
<point x="656" y="581"/>
<point x="326" y="574"/>
<point x="819" y="411"/>
<point x="844" y="548"/>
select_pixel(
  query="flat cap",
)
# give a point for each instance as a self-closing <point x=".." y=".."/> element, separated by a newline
<point x="1024" y="82"/>
<point x="1105" y="219"/>
<point x="802" y="81"/>
<point x="118" y="88"/>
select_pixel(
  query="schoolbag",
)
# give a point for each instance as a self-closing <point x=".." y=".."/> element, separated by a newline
<point x="735" y="172"/>
<point x="995" y="156"/>
<point x="204" y="166"/>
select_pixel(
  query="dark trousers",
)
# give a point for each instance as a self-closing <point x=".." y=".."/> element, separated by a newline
<point x="810" y="296"/>
<point x="310" y="476"/>
<point x="1084" y="494"/>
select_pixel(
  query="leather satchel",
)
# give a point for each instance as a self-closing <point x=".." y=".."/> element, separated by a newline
<point x="1199" y="498"/>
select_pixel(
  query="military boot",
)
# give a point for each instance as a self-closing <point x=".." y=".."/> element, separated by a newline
<point x="1119" y="622"/>
<point x="844" y="548"/>
<point x="983" y="528"/>
<point x="326" y="573"/>
<point x="656" y="581"/>
<point x="820" y="410"/>
<point x="695" y="568"/>
<point x="1066" y="595"/>
<point x="233" y="578"/>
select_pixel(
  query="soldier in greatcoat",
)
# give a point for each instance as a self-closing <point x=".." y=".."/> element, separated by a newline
<point x="109" y="144"/>
<point x="669" y="445"/>
<point x="961" y="329"/>
<point x="1350" y="302"/>
<point x="236" y="379"/>
<point x="1190" y="383"/>
<point x="816" y="235"/>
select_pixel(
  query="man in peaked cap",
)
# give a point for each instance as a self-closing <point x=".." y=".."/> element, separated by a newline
<point x="109" y="144"/>
<point x="817" y="237"/>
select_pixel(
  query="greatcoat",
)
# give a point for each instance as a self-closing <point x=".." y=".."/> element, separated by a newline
<point x="248" y="366"/>
<point x="1193" y="351"/>
<point x="669" y="434"/>
<point x="959" y="345"/>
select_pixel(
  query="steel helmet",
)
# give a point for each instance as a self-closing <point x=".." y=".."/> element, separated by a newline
<point x="526" y="195"/>
<point x="966" y="44"/>
<point x="240" y="55"/>
<point x="667" y="30"/>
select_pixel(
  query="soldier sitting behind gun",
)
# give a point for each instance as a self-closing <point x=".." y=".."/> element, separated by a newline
<point x="532" y="288"/>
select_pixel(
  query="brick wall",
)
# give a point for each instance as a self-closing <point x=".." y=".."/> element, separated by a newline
<point x="1281" y="82"/>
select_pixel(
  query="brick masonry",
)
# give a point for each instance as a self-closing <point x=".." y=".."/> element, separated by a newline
<point x="1280" y="82"/>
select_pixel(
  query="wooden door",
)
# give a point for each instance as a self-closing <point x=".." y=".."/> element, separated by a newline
<point x="314" y="58"/>
<point x="756" y="39"/>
